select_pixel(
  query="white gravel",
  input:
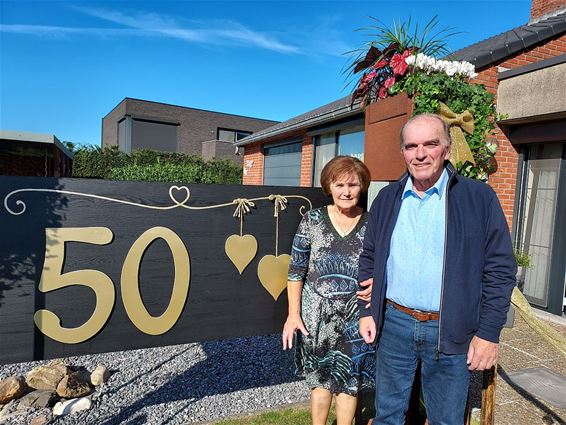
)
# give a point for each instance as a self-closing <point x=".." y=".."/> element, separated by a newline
<point x="180" y="384"/>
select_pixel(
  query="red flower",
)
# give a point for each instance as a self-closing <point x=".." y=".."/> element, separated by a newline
<point x="369" y="77"/>
<point x="381" y="64"/>
<point x="389" y="82"/>
<point x="383" y="92"/>
<point x="398" y="63"/>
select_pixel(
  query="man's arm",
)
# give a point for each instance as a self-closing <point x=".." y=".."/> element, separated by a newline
<point x="498" y="282"/>
<point x="367" y="329"/>
<point x="499" y="273"/>
<point x="365" y="272"/>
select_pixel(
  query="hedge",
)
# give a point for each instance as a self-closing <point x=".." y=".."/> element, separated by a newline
<point x="148" y="165"/>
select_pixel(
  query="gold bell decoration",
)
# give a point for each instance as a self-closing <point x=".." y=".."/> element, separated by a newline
<point x="460" y="151"/>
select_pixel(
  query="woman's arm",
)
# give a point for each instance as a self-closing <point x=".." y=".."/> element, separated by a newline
<point x="294" y="321"/>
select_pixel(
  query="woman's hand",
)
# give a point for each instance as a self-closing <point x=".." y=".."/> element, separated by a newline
<point x="365" y="294"/>
<point x="292" y="324"/>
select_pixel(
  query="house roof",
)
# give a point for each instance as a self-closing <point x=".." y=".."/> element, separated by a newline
<point x="498" y="47"/>
<point x="133" y="99"/>
<point x="24" y="136"/>
<point x="330" y="112"/>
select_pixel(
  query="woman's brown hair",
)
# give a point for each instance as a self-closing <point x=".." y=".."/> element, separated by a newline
<point x="341" y="165"/>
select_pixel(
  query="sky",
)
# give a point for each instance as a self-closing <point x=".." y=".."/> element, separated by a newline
<point x="64" y="65"/>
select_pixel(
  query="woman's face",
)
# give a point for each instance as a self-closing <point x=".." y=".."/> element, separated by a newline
<point x="346" y="190"/>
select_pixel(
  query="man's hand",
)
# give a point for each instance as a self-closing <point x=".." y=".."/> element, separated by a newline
<point x="367" y="329"/>
<point x="365" y="294"/>
<point x="482" y="354"/>
<point x="292" y="324"/>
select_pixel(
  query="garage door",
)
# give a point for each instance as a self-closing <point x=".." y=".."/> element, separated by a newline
<point x="282" y="164"/>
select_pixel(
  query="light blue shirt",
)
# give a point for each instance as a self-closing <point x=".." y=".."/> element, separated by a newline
<point x="416" y="251"/>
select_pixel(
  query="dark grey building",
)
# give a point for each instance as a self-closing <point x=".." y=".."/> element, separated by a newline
<point x="141" y="124"/>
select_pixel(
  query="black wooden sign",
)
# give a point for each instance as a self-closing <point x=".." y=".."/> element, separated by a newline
<point x="89" y="266"/>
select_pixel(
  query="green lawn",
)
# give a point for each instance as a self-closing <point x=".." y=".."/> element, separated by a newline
<point x="295" y="416"/>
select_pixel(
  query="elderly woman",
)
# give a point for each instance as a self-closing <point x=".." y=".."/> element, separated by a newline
<point x="322" y="285"/>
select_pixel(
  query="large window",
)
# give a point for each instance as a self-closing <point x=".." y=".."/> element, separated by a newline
<point x="349" y="141"/>
<point x="538" y="216"/>
<point x="282" y="164"/>
<point x="232" y="135"/>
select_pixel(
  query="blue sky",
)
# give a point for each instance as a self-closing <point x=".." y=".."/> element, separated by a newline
<point x="64" y="65"/>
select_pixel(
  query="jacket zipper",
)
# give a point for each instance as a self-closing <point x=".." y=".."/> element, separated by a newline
<point x="443" y="262"/>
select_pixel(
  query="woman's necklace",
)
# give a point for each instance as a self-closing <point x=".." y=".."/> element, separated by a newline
<point x="339" y="228"/>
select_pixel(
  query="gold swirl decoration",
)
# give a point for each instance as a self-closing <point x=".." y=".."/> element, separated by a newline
<point x="175" y="193"/>
<point x="240" y="249"/>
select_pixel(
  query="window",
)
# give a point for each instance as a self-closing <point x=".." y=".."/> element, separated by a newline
<point x="282" y="164"/>
<point x="232" y="135"/>
<point x="538" y="215"/>
<point x="349" y="141"/>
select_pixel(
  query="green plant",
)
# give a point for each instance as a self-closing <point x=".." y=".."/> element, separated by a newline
<point x="523" y="259"/>
<point x="407" y="64"/>
<point x="429" y="90"/>
<point x="148" y="165"/>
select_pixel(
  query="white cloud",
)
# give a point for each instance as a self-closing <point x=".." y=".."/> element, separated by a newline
<point x="319" y="39"/>
<point x="212" y="33"/>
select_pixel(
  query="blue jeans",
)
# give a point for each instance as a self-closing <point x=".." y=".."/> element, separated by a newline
<point x="445" y="378"/>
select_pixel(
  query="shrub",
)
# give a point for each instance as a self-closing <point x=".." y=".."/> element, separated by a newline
<point x="148" y="165"/>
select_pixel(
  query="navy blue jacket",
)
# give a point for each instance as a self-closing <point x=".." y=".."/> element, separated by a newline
<point x="479" y="265"/>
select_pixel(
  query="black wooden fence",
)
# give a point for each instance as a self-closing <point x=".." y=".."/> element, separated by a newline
<point x="127" y="265"/>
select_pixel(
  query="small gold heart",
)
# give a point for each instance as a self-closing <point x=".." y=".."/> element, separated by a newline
<point x="179" y="189"/>
<point x="241" y="250"/>
<point x="272" y="272"/>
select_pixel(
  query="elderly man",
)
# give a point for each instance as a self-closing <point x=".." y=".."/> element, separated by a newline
<point x="439" y="252"/>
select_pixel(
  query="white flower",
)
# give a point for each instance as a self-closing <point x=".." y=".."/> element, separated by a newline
<point x="429" y="64"/>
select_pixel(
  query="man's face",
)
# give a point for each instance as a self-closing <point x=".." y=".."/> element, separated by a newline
<point x="425" y="150"/>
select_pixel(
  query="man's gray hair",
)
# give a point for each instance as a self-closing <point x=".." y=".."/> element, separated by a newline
<point x="446" y="128"/>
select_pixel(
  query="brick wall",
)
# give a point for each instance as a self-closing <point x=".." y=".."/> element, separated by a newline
<point x="253" y="164"/>
<point x="542" y="7"/>
<point x="503" y="180"/>
<point x="306" y="161"/>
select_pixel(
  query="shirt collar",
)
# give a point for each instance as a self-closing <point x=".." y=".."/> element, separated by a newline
<point x="439" y="187"/>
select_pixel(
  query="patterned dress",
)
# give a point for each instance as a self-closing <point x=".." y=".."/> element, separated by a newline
<point x="333" y="355"/>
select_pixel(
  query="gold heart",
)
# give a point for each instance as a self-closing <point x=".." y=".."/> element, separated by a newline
<point x="241" y="250"/>
<point x="177" y="188"/>
<point x="272" y="272"/>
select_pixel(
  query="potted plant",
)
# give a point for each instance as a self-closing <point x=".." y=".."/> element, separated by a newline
<point x="523" y="262"/>
<point x="400" y="61"/>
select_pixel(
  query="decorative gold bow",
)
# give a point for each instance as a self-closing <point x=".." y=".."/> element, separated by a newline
<point x="460" y="152"/>
<point x="243" y="207"/>
<point x="280" y="204"/>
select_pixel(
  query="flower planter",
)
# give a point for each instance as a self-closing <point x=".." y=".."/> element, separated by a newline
<point x="383" y="122"/>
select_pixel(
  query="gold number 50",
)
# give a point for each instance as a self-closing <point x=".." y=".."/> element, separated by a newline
<point x="52" y="279"/>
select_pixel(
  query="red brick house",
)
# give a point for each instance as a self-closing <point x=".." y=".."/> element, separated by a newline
<point x="525" y="68"/>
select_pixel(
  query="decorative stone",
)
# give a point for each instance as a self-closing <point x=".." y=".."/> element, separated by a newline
<point x="73" y="386"/>
<point x="47" y="377"/>
<point x="71" y="406"/>
<point x="99" y="375"/>
<point x="38" y="420"/>
<point x="38" y="399"/>
<point x="11" y="388"/>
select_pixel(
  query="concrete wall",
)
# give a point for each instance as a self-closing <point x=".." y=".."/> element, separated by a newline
<point x="219" y="149"/>
<point x="533" y="94"/>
